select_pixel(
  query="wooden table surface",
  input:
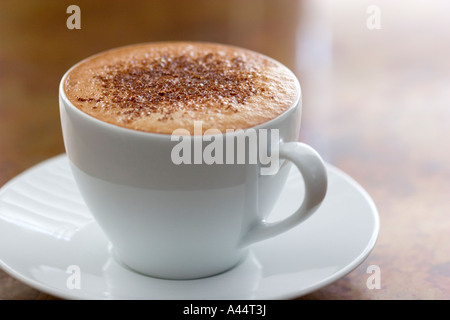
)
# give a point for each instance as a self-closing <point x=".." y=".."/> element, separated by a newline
<point x="376" y="83"/>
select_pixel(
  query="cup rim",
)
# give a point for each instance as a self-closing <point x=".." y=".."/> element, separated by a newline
<point x="125" y="130"/>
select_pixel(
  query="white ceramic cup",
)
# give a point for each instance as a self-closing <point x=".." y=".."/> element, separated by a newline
<point x="183" y="221"/>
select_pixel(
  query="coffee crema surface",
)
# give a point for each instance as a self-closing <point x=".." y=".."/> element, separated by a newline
<point x="161" y="87"/>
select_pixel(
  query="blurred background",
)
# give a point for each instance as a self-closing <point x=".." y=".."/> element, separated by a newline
<point x="375" y="77"/>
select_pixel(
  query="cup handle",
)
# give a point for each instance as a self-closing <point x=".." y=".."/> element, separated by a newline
<point x="313" y="170"/>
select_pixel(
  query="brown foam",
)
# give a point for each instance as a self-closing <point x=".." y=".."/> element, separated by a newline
<point x="160" y="87"/>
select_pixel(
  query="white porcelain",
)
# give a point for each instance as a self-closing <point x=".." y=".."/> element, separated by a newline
<point x="183" y="221"/>
<point x="46" y="229"/>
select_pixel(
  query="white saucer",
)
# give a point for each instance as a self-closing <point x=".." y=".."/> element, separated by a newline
<point x="45" y="230"/>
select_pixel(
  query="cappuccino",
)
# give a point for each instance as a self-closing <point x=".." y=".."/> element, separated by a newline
<point x="161" y="87"/>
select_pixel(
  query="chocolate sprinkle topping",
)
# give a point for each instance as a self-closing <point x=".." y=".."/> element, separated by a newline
<point x="177" y="83"/>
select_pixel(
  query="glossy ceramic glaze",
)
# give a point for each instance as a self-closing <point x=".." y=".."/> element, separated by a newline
<point x="60" y="249"/>
<point x="182" y="221"/>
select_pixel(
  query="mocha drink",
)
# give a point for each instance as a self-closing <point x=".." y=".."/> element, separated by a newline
<point x="161" y="87"/>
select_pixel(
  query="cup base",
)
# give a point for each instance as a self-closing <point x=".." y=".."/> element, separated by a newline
<point x="184" y="274"/>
